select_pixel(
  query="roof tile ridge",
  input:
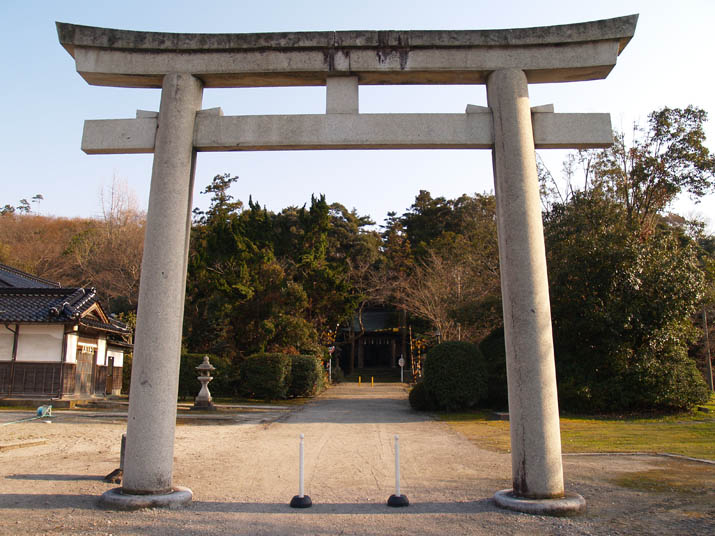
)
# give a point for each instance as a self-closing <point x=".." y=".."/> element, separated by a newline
<point x="68" y="305"/>
<point x="88" y="294"/>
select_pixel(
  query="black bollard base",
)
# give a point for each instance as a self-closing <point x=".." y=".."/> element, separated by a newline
<point x="301" y="502"/>
<point x="398" y="500"/>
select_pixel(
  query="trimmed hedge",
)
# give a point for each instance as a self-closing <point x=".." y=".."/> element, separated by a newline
<point x="266" y="376"/>
<point x="307" y="377"/>
<point x="455" y="375"/>
<point x="280" y="376"/>
<point x="669" y="382"/>
<point x="420" y="398"/>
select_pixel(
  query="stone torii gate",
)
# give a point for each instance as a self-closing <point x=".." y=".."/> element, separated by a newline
<point x="182" y="65"/>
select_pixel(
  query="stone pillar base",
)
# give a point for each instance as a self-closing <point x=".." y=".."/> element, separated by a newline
<point x="570" y="504"/>
<point x="114" y="499"/>
<point x="206" y="406"/>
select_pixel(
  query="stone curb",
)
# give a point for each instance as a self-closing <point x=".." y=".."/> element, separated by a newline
<point x="569" y="505"/>
<point x="114" y="499"/>
<point x="663" y="454"/>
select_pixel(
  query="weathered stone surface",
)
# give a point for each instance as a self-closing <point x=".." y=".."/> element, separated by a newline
<point x="584" y="51"/>
<point x="116" y="499"/>
<point x="120" y="136"/>
<point x="570" y="504"/>
<point x="619" y="28"/>
<point x="347" y="131"/>
<point x="157" y="342"/>
<point x="342" y="95"/>
<point x="531" y="373"/>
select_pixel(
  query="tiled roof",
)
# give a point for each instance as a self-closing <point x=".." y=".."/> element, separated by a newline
<point x="114" y="326"/>
<point x="26" y="298"/>
<point x="45" y="304"/>
<point x="14" y="278"/>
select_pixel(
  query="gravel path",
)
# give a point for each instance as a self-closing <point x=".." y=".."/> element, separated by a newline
<point x="244" y="473"/>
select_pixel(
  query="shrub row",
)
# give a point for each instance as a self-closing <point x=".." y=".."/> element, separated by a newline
<point x="262" y="376"/>
<point x="670" y="381"/>
<point x="280" y="376"/>
<point x="455" y="378"/>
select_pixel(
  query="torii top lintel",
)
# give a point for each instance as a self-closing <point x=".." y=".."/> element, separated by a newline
<point x="564" y="53"/>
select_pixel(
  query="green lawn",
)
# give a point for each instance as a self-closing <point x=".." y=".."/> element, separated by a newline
<point x="689" y="434"/>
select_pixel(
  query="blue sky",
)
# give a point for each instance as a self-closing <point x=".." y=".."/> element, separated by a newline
<point x="46" y="101"/>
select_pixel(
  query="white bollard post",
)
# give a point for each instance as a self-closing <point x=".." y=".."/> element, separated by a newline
<point x="301" y="500"/>
<point x="300" y="471"/>
<point x="397" y="465"/>
<point x="397" y="499"/>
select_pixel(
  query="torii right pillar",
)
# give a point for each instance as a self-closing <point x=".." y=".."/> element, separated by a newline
<point x="538" y="483"/>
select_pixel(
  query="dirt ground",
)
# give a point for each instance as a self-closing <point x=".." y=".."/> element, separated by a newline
<point x="243" y="472"/>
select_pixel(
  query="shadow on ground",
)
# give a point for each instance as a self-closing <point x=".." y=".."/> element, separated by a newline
<point x="90" y="502"/>
<point x="359" y="411"/>
<point x="373" y="508"/>
<point x="50" y="476"/>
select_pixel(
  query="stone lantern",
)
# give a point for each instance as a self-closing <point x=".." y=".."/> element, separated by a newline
<point x="204" y="400"/>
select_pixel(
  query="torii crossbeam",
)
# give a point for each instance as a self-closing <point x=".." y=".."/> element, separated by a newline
<point x="182" y="65"/>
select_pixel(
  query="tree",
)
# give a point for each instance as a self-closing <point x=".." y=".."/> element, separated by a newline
<point x="107" y="252"/>
<point x="260" y="281"/>
<point x="101" y="252"/>
<point x="218" y="278"/>
<point x="451" y="279"/>
<point x="23" y="207"/>
<point x="621" y="308"/>
<point x="626" y="277"/>
<point x="666" y="157"/>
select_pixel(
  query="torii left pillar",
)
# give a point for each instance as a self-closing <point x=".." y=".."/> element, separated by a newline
<point x="147" y="479"/>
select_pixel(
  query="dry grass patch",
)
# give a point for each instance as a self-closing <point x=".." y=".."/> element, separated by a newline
<point x="671" y="477"/>
<point x="689" y="434"/>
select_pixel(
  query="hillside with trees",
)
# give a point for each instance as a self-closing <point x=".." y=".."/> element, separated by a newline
<point x="103" y="252"/>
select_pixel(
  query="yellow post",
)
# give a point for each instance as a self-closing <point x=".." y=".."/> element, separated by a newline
<point x="359" y="380"/>
<point x="372" y="381"/>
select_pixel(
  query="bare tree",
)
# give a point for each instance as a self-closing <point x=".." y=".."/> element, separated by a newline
<point x="447" y="289"/>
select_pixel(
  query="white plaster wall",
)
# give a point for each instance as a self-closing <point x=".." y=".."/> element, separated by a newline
<point x="118" y="356"/>
<point x="6" y="339"/>
<point x="40" y="343"/>
<point x="101" y="351"/>
<point x="72" y="339"/>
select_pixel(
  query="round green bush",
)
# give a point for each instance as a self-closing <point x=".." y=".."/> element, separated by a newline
<point x="419" y="398"/>
<point x="266" y="376"/>
<point x="306" y="376"/>
<point x="455" y="375"/>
